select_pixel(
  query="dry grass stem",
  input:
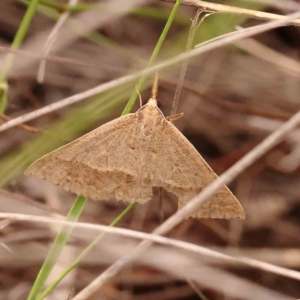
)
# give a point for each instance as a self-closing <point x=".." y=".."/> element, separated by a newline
<point x="129" y="78"/>
<point x="183" y="69"/>
<point x="215" y="7"/>
<point x="216" y="257"/>
<point x="22" y="126"/>
<point x="51" y="39"/>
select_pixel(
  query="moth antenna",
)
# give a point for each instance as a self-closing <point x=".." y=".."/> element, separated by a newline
<point x="154" y="87"/>
<point x="137" y="90"/>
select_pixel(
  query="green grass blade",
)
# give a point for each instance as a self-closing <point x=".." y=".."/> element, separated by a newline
<point x="83" y="254"/>
<point x="3" y="96"/>
<point x="19" y="37"/>
<point x="61" y="7"/>
<point x="157" y="48"/>
<point x="57" y="247"/>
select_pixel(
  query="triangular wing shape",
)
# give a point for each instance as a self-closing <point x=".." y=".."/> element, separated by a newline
<point x="180" y="169"/>
<point x="100" y="165"/>
<point x="125" y="158"/>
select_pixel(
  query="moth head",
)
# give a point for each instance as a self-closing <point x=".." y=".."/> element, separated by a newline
<point x="152" y="103"/>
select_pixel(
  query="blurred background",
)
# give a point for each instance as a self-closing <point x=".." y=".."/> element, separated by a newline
<point x="232" y="98"/>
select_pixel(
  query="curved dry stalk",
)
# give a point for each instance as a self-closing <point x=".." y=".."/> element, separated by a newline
<point x="184" y="66"/>
<point x="215" y="7"/>
<point x="168" y="63"/>
<point x="223" y="258"/>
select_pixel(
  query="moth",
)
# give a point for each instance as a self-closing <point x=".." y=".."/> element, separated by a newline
<point x="125" y="158"/>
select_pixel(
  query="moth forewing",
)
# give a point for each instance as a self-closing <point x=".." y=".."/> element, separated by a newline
<point x="126" y="157"/>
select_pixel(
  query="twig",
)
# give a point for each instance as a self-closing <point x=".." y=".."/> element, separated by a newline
<point x="223" y="258"/>
<point x="22" y="126"/>
<point x="170" y="62"/>
<point x="215" y="7"/>
<point x="32" y="129"/>
<point x="19" y="37"/>
<point x="207" y="193"/>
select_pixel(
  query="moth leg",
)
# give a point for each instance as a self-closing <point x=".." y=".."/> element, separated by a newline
<point x="141" y="101"/>
<point x="174" y="117"/>
<point x="160" y="211"/>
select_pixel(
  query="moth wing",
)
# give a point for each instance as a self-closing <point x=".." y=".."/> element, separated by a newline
<point x="98" y="165"/>
<point x="181" y="170"/>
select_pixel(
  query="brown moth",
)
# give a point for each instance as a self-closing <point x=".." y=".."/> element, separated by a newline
<point x="126" y="157"/>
